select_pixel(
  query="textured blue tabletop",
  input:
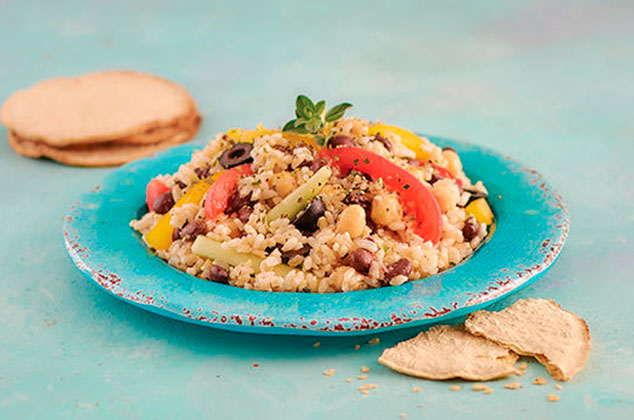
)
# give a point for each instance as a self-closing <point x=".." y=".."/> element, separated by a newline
<point x="550" y="83"/>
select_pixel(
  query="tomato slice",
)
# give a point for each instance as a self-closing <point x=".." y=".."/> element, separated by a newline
<point x="221" y="191"/>
<point x="416" y="199"/>
<point x="153" y="190"/>
<point x="444" y="172"/>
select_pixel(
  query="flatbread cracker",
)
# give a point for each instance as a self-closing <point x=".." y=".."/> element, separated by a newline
<point x="102" y="154"/>
<point x="558" y="339"/>
<point x="96" y="107"/>
<point x="445" y="352"/>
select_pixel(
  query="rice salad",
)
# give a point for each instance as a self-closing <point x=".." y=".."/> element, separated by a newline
<point x="325" y="204"/>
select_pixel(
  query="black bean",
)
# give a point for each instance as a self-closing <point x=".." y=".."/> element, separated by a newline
<point x="281" y="148"/>
<point x="362" y="199"/>
<point x="434" y="178"/>
<point x="307" y="221"/>
<point x="236" y="202"/>
<point x="386" y="142"/>
<point x="238" y="154"/>
<point x="318" y="163"/>
<point x="163" y="203"/>
<point x="181" y="184"/>
<point x="361" y="260"/>
<point x="400" y="268"/>
<point x="340" y="140"/>
<point x="303" y="251"/>
<point x="193" y="229"/>
<point x="176" y="234"/>
<point x="244" y="212"/>
<point x="218" y="274"/>
<point x="470" y="230"/>
<point x="202" y="172"/>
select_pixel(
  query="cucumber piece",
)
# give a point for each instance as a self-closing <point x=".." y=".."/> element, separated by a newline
<point x="301" y="197"/>
<point x="208" y="248"/>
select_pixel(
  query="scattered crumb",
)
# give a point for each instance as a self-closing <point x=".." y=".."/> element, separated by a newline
<point x="365" y="369"/>
<point x="553" y="398"/>
<point x="357" y="346"/>
<point x="317" y="344"/>
<point x="455" y="387"/>
<point x="255" y="365"/>
<point x="539" y="381"/>
<point x="521" y="369"/>
<point x="366" y="387"/>
<point x="482" y="387"/>
<point x="374" y="340"/>
<point x="416" y="389"/>
<point x="329" y="372"/>
<point x="402" y="415"/>
<point x="362" y="377"/>
<point x="557" y="386"/>
<point x="348" y="380"/>
<point x="513" y="385"/>
<point x="500" y="197"/>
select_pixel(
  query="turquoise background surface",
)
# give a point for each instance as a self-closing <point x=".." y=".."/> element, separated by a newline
<point x="549" y="83"/>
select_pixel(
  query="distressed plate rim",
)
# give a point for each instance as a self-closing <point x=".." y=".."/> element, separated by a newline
<point x="512" y="259"/>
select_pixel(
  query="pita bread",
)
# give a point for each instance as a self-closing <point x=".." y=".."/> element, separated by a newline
<point x="102" y="154"/>
<point x="155" y="135"/>
<point x="97" y="107"/>
<point x="445" y="352"/>
<point x="558" y="339"/>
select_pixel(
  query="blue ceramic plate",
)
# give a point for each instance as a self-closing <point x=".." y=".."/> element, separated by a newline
<point x="532" y="225"/>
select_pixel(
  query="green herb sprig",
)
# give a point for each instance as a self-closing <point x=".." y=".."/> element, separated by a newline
<point x="312" y="117"/>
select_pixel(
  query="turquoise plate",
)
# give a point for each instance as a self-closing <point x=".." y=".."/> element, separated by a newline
<point x="532" y="226"/>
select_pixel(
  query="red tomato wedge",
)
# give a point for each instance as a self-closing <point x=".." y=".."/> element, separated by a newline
<point x="416" y="199"/>
<point x="153" y="190"/>
<point x="220" y="191"/>
<point x="444" y="172"/>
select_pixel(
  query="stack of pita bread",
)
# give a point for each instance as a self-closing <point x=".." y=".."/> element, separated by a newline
<point x="100" y="119"/>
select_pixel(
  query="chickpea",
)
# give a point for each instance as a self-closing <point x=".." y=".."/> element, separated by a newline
<point x="352" y="220"/>
<point x="386" y="209"/>
<point x="454" y="165"/>
<point x="284" y="183"/>
<point x="446" y="193"/>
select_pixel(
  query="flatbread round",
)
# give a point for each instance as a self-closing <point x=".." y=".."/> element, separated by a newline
<point x="558" y="339"/>
<point x="155" y="135"/>
<point x="102" y="154"/>
<point x="96" y="107"/>
<point x="445" y="352"/>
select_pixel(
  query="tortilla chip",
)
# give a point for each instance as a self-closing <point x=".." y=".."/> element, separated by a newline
<point x="101" y="154"/>
<point x="558" y="339"/>
<point x="96" y="107"/>
<point x="445" y="352"/>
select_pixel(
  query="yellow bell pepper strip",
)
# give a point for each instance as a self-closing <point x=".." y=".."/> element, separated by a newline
<point x="417" y="199"/>
<point x="208" y="248"/>
<point x="409" y="139"/>
<point x="295" y="139"/>
<point x="160" y="237"/>
<point x="248" y="136"/>
<point x="480" y="209"/>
